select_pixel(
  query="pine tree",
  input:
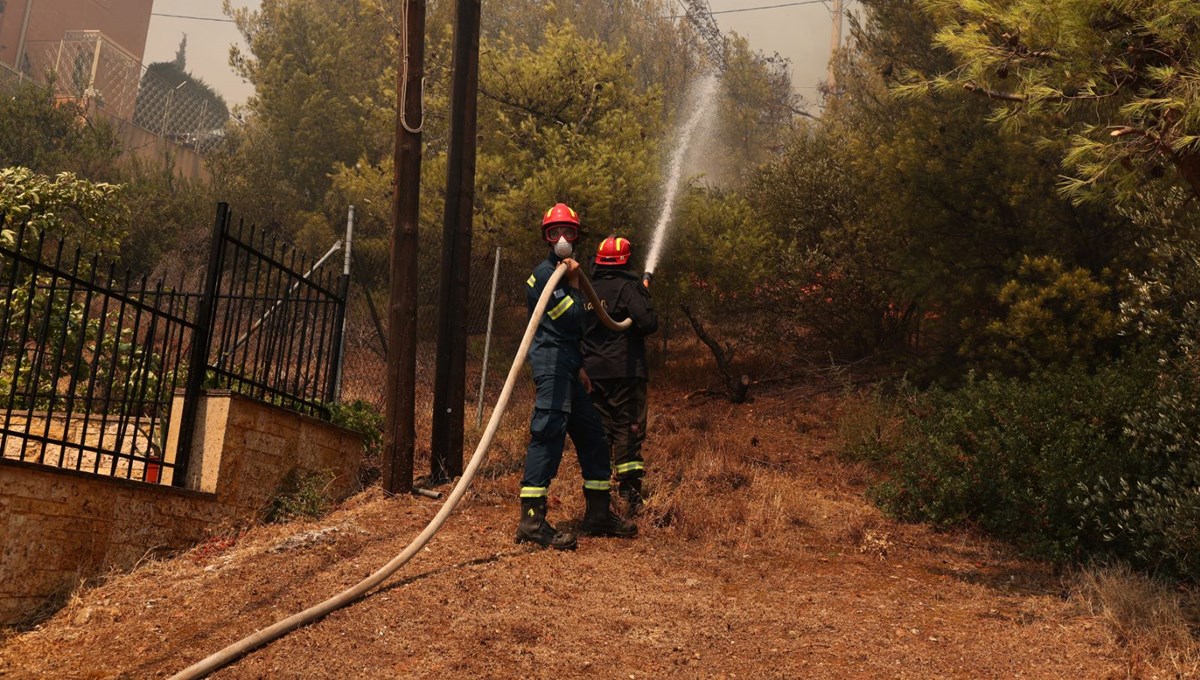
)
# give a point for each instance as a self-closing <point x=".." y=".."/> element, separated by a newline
<point x="1118" y="81"/>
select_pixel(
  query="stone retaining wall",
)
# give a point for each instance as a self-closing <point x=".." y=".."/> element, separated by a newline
<point x="59" y="526"/>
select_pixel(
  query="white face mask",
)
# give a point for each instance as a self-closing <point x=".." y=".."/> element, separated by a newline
<point x="563" y="248"/>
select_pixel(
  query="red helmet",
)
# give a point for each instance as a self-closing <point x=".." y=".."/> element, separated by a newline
<point x="613" y="250"/>
<point x="560" y="215"/>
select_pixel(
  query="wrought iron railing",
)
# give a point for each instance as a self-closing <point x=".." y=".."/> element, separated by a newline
<point x="94" y="364"/>
<point x="89" y="361"/>
<point x="277" y="320"/>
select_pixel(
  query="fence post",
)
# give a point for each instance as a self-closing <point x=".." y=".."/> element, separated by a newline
<point x="201" y="346"/>
<point x="200" y="122"/>
<point x="91" y="85"/>
<point x="21" y="58"/>
<point x="57" y="63"/>
<point x="339" y="337"/>
<point x="487" y="341"/>
<point x="341" y="346"/>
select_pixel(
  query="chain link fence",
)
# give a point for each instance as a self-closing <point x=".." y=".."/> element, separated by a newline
<point x="87" y="68"/>
<point x="366" y="335"/>
<point x="8" y="77"/>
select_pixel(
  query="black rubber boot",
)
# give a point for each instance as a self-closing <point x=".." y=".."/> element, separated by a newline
<point x="630" y="491"/>
<point x="535" y="529"/>
<point x="600" y="520"/>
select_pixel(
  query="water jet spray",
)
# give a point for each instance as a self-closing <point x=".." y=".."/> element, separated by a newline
<point x="700" y="101"/>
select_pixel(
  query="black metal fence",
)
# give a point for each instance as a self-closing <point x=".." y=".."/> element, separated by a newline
<point x="93" y="363"/>
<point x="89" y="361"/>
<point x="277" y="320"/>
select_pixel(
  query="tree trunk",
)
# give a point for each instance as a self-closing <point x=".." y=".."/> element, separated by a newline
<point x="738" y="388"/>
<point x="1189" y="168"/>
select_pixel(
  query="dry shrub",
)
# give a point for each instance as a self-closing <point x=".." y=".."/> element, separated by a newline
<point x="684" y="496"/>
<point x="1148" y="617"/>
<point x="850" y="522"/>
<point x="869" y="425"/>
<point x="776" y="506"/>
<point x="663" y="423"/>
<point x="707" y="490"/>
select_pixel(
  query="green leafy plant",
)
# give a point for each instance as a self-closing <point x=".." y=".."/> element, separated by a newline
<point x="1050" y="316"/>
<point x="361" y="417"/>
<point x="1014" y="456"/>
<point x="88" y="214"/>
<point x="302" y="494"/>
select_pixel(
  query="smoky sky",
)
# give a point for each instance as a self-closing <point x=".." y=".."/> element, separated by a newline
<point x="800" y="33"/>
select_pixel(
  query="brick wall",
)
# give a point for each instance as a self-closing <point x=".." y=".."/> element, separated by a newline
<point x="59" y="526"/>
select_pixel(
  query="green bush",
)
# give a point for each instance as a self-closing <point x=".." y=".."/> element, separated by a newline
<point x="1153" y="519"/>
<point x="303" y="494"/>
<point x="1042" y="461"/>
<point x="362" y="417"/>
<point x="1051" y="316"/>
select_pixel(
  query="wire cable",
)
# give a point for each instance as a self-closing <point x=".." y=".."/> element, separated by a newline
<point x="184" y="16"/>
<point x="756" y="9"/>
<point x="763" y="7"/>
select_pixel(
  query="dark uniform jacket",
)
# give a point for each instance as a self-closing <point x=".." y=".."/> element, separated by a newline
<point x="555" y="349"/>
<point x="618" y="354"/>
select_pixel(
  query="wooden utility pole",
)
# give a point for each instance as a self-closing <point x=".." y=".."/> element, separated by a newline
<point x="450" y="379"/>
<point x="399" y="435"/>
<point x="835" y="43"/>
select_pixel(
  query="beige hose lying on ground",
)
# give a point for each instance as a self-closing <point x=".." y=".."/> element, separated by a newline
<point x="254" y="640"/>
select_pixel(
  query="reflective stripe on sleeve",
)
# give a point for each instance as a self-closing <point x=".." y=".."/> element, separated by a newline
<point x="534" y="491"/>
<point x="631" y="466"/>
<point x="560" y="308"/>
<point x="532" y="280"/>
<point x="597" y="484"/>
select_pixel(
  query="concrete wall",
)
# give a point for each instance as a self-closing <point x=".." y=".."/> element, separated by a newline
<point x="153" y="150"/>
<point x="60" y="526"/>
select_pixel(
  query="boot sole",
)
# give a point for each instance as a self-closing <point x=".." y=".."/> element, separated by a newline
<point x="606" y="534"/>
<point x="520" y="540"/>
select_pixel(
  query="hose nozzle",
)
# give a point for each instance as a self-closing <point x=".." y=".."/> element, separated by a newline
<point x="646" y="279"/>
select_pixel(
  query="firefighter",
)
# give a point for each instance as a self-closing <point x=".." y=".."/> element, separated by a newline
<point x="616" y="363"/>
<point x="562" y="405"/>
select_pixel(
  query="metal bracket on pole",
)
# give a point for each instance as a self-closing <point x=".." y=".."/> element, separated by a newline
<point x="487" y="342"/>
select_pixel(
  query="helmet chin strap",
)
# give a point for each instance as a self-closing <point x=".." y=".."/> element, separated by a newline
<point x="563" y="248"/>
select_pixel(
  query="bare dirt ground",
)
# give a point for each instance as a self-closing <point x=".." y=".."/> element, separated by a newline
<point x="759" y="557"/>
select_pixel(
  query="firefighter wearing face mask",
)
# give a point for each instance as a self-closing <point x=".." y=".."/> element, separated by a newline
<point x="563" y="406"/>
<point x="616" y="363"/>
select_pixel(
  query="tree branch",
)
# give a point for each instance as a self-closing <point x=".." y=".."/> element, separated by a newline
<point x="735" y="388"/>
<point x="590" y="105"/>
<point x="993" y="94"/>
<point x="522" y="107"/>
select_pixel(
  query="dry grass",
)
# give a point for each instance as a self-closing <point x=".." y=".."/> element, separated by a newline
<point x="727" y="476"/>
<point x="1152" y="620"/>
<point x="745" y="499"/>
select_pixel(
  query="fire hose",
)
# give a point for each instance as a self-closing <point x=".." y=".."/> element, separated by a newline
<point x="257" y="639"/>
